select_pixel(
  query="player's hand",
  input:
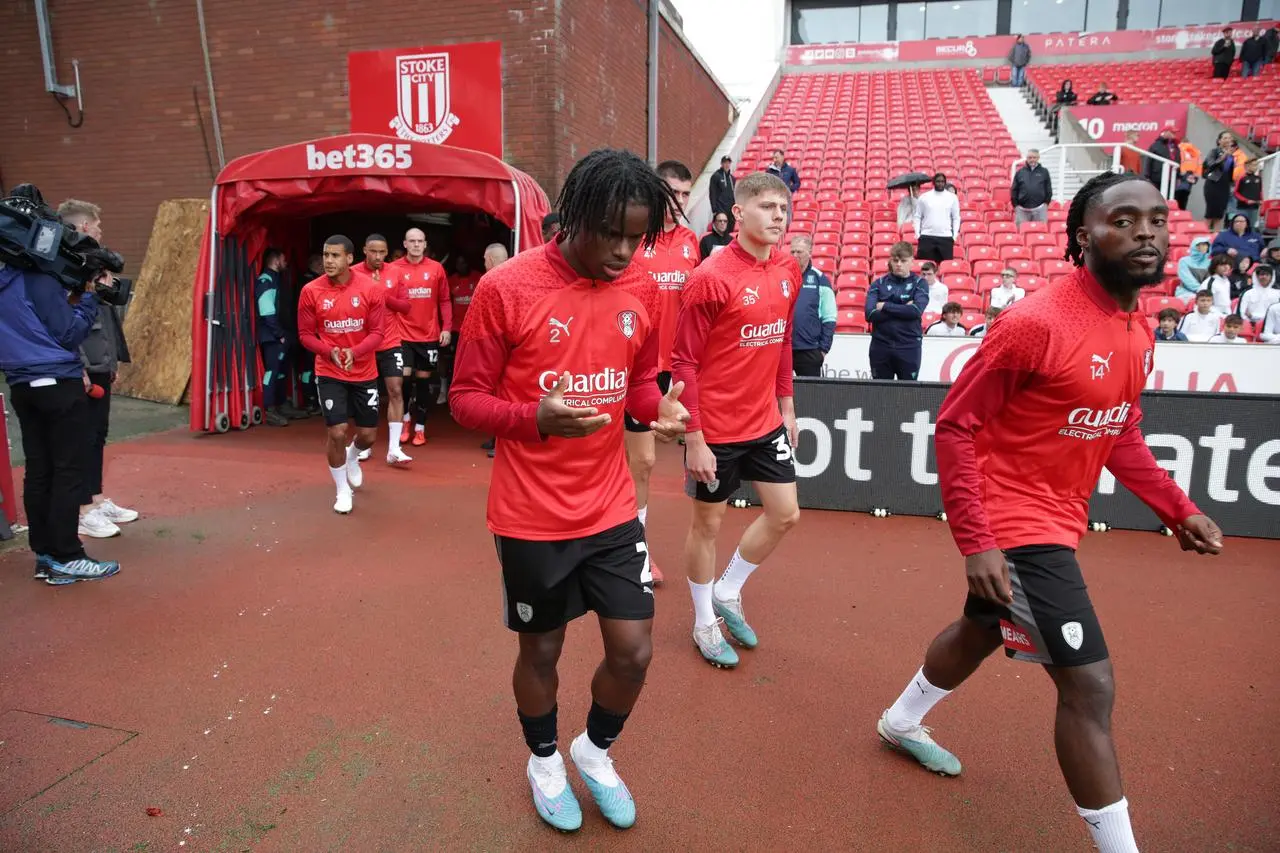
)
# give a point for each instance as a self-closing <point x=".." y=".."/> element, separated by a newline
<point x="348" y="359"/>
<point x="988" y="576"/>
<point x="445" y="338"/>
<point x="879" y="305"/>
<point x="1199" y="533"/>
<point x="699" y="461"/>
<point x="555" y="417"/>
<point x="672" y="415"/>
<point x="335" y="355"/>
<point x="88" y="386"/>
<point x="793" y="430"/>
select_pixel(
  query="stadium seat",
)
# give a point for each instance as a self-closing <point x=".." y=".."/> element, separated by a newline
<point x="968" y="301"/>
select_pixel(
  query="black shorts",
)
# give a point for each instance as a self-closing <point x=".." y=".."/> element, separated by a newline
<point x="1051" y="620"/>
<point x="937" y="249"/>
<point x="342" y="401"/>
<point x="391" y="362"/>
<point x="633" y="425"/>
<point x="549" y="584"/>
<point x="765" y="460"/>
<point x="419" y="355"/>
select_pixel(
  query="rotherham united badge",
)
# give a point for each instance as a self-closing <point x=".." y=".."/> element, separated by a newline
<point x="627" y="323"/>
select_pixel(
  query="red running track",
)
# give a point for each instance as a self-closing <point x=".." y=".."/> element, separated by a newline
<point x="271" y="676"/>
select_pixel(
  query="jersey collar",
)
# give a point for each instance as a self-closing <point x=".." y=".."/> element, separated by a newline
<point x="746" y="257"/>
<point x="555" y="257"/>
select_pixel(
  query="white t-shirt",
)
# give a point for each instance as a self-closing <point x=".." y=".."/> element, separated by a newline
<point x="978" y="331"/>
<point x="1255" y="302"/>
<point x="1220" y="338"/>
<point x="938" y="294"/>
<point x="1221" y="287"/>
<point x="937" y="215"/>
<point x="940" y="329"/>
<point x="1002" y="296"/>
<point x="1200" y="327"/>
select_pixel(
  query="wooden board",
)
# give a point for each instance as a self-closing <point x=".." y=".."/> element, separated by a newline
<point x="158" y="322"/>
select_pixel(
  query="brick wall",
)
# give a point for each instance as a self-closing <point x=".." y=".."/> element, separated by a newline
<point x="279" y="67"/>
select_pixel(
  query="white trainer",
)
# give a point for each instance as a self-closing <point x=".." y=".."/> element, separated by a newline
<point x="97" y="526"/>
<point x="355" y="477"/>
<point x="342" y="504"/>
<point x="116" y="514"/>
<point x="365" y="454"/>
<point x="398" y="457"/>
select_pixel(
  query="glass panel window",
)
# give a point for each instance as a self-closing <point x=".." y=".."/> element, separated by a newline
<point x="875" y="23"/>
<point x="959" y="18"/>
<point x="1269" y="10"/>
<point x="1179" y="13"/>
<point x="910" y="21"/>
<point x="1144" y="14"/>
<point x="815" y="25"/>
<point x="1103" y="15"/>
<point x="1049" y="16"/>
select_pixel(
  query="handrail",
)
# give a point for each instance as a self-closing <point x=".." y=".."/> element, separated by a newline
<point x="1168" y="171"/>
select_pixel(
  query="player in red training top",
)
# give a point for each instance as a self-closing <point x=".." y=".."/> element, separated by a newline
<point x="733" y="354"/>
<point x="340" y="319"/>
<point x="558" y="341"/>
<point x="425" y="327"/>
<point x="1050" y="397"/>
<point x="462" y="286"/>
<point x="669" y="261"/>
<point x="390" y="358"/>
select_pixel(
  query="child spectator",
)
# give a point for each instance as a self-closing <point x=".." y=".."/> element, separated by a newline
<point x="1249" y="193"/>
<point x="1219" y="283"/>
<point x="949" y="326"/>
<point x="1168" y="329"/>
<point x="938" y="291"/>
<point x="1230" y="333"/>
<point x="1193" y="269"/>
<point x="980" y="330"/>
<point x="1258" y="299"/>
<point x="1202" y="323"/>
<point x="1008" y="292"/>
<point x="1271" y="328"/>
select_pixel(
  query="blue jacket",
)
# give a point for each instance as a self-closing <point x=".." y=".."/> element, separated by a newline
<point x="1248" y="244"/>
<point x="266" y="296"/>
<point x="814" y="322"/>
<point x="788" y="173"/>
<point x="40" y="332"/>
<point x="897" y="324"/>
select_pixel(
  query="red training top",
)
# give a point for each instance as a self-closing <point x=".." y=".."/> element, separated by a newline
<point x="532" y="319"/>
<point x="670" y="260"/>
<point x="347" y="316"/>
<point x="733" y="343"/>
<point x="461" y="289"/>
<point x="430" y="308"/>
<point x="1050" y="396"/>
<point x="393" y="298"/>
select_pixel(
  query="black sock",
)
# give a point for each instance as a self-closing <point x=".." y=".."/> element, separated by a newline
<point x="422" y="399"/>
<point x="603" y="726"/>
<point x="540" y="732"/>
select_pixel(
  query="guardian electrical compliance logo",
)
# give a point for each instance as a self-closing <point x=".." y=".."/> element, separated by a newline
<point x="423" y="111"/>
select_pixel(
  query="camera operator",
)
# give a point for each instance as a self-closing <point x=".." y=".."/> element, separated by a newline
<point x="100" y="354"/>
<point x="40" y="335"/>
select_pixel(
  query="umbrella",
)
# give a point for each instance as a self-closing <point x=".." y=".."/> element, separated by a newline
<point x="906" y="180"/>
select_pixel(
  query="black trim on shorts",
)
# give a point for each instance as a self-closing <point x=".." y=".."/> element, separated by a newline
<point x="391" y="362"/>
<point x="768" y="459"/>
<point x="1051" y="620"/>
<point x="546" y="585"/>
<point x="629" y="423"/>
<point x="342" y="401"/>
<point x="421" y="355"/>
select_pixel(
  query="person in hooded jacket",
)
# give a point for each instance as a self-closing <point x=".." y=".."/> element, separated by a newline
<point x="1239" y="239"/>
<point x="1193" y="268"/>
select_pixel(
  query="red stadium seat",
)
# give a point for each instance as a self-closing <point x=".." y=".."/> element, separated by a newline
<point x="968" y="301"/>
<point x="848" y="298"/>
<point x="961" y="283"/>
<point x="946" y="268"/>
<point x="969" y="319"/>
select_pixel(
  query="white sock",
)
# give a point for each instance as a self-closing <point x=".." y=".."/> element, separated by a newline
<point x="353" y="453"/>
<point x="588" y="750"/>
<point x="1110" y="827"/>
<point x="916" y="701"/>
<point x="340" y="477"/>
<point x="643" y="513"/>
<point x="395" y="428"/>
<point x="419" y="427"/>
<point x="703" y="615"/>
<point x="730" y="584"/>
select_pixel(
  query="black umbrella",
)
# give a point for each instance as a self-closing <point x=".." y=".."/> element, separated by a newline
<point x="909" y="179"/>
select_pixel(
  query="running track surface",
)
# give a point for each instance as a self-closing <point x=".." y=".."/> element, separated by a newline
<point x="272" y="676"/>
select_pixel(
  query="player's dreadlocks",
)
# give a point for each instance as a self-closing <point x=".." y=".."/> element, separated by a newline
<point x="599" y="188"/>
<point x="1086" y="198"/>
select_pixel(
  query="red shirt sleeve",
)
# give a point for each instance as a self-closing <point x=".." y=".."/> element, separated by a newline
<point x="703" y="299"/>
<point x="307" y="326"/>
<point x="477" y="373"/>
<point x="1133" y="464"/>
<point x="375" y="323"/>
<point x="643" y="394"/>
<point x="396" y="299"/>
<point x="446" y="304"/>
<point x="784" y="385"/>
<point x="1005" y="360"/>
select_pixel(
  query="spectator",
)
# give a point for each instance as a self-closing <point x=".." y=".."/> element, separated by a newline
<point x="1168" y="328"/>
<point x="938" y="292"/>
<point x="949" y="326"/>
<point x="895" y="304"/>
<point x="1203" y="323"/>
<point x="718" y="237"/>
<point x="1253" y="55"/>
<point x="784" y="170"/>
<point x="102" y="351"/>
<point x="1032" y="191"/>
<point x="907" y="205"/>
<point x="1219" y="164"/>
<point x="550" y="226"/>
<point x="1104" y="97"/>
<point x="1249" y="193"/>
<point x="990" y="316"/>
<point x="1219" y="283"/>
<point x="1258" y="299"/>
<point x="1241" y="276"/>
<point x="937" y="222"/>
<point x="1271" y="327"/>
<point x="1223" y="53"/>
<point x="1239" y="240"/>
<point x="1193" y="269"/>
<point x="1008" y="292"/>
<point x="1230" y="333"/>
<point x="1130" y="157"/>
<point x="813" y="323"/>
<point x="1019" y="58"/>
<point x="1066" y="97"/>
<point x="40" y="336"/>
<point x="721" y="193"/>
<point x="1271" y="256"/>
<point x="1166" y="146"/>
<point x="1271" y="40"/>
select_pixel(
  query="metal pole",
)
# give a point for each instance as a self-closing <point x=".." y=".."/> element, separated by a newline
<point x="655" y="17"/>
<point x="213" y="95"/>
